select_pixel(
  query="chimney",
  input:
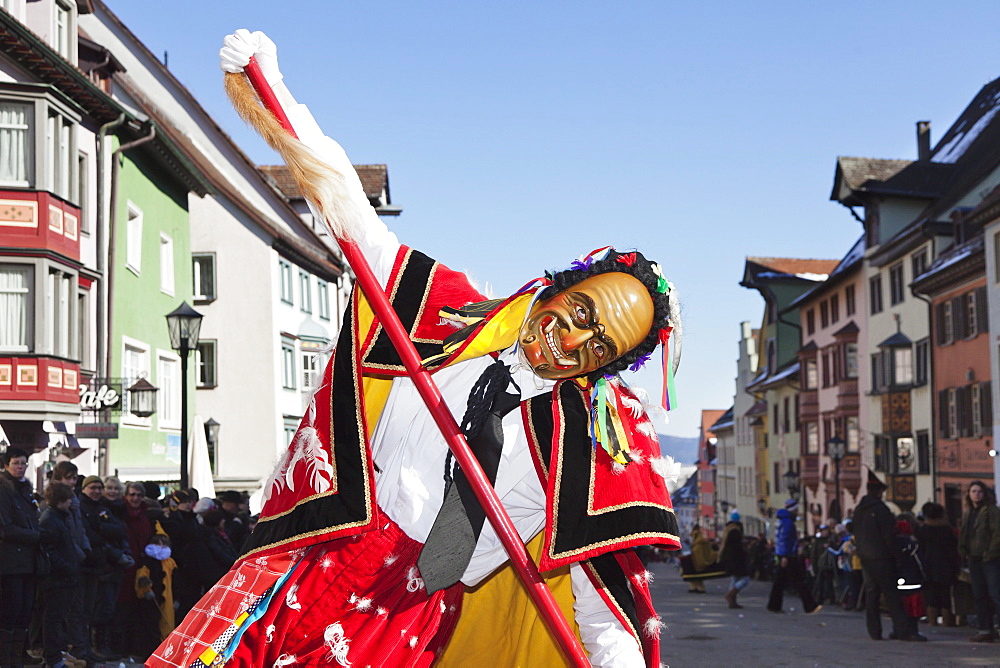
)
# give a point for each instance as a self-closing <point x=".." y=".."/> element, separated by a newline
<point x="923" y="140"/>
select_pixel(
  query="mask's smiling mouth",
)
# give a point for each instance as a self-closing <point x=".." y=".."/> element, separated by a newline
<point x="559" y="358"/>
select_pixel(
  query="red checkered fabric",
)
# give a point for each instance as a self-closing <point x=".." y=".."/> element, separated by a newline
<point x="353" y="601"/>
<point x="213" y="618"/>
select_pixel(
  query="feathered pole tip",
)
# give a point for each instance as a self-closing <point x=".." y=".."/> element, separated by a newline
<point x="321" y="185"/>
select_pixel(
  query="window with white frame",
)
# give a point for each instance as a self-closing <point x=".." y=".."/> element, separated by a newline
<point x="310" y="370"/>
<point x="83" y="329"/>
<point x="37" y="137"/>
<point x="205" y="360"/>
<point x="291" y="425"/>
<point x="287" y="363"/>
<point x="323" y="298"/>
<point x="853" y="434"/>
<point x="83" y="190"/>
<point x="15" y="143"/>
<point x="16" y="312"/>
<point x="59" y="156"/>
<point x="812" y="438"/>
<point x="875" y="294"/>
<point x="133" y="233"/>
<point x="811" y="375"/>
<point x="169" y="397"/>
<point x="166" y="264"/>
<point x="203" y="265"/>
<point x="903" y="366"/>
<point x="921" y="361"/>
<point x="306" y="292"/>
<point x="896" y="287"/>
<point x="58" y="326"/>
<point x="851" y="360"/>
<point x="135" y="365"/>
<point x="62" y="28"/>
<point x="285" y="268"/>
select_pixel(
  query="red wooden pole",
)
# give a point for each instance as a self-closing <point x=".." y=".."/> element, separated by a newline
<point x="495" y="512"/>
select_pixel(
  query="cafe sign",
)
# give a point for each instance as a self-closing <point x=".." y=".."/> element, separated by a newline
<point x="101" y="394"/>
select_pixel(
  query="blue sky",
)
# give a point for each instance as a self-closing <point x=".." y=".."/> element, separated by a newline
<point x="519" y="135"/>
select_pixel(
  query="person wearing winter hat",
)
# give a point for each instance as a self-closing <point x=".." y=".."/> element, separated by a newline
<point x="790" y="567"/>
<point x="874" y="527"/>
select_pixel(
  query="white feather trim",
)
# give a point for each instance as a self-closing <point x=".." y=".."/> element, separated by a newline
<point x="666" y="467"/>
<point x="653" y="626"/>
<point x="337" y="643"/>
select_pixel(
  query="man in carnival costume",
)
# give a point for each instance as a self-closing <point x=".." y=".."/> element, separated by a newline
<point x="371" y="549"/>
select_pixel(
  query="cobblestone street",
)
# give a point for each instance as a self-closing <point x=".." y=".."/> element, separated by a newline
<point x="701" y="631"/>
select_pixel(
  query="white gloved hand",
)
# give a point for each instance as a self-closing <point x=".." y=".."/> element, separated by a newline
<point x="241" y="45"/>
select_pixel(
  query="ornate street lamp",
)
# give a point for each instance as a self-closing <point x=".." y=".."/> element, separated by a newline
<point x="212" y="437"/>
<point x="791" y="477"/>
<point x="836" y="448"/>
<point x="142" y="398"/>
<point x="184" y="324"/>
<point x="212" y="431"/>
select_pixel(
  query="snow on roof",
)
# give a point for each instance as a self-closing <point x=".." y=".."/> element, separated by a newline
<point x="856" y="253"/>
<point x="955" y="256"/>
<point x="955" y="149"/>
<point x="788" y="371"/>
<point x="809" y="276"/>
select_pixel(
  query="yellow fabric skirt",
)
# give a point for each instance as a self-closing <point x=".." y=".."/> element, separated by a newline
<point x="499" y="625"/>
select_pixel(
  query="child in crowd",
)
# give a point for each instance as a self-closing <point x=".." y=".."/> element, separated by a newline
<point x="911" y="574"/>
<point x="154" y="588"/>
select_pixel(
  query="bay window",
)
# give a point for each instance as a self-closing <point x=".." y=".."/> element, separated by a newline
<point x="37" y="142"/>
<point x="16" y="307"/>
<point x="15" y="155"/>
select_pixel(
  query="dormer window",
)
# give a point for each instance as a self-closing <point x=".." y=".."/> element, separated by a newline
<point x="62" y="29"/>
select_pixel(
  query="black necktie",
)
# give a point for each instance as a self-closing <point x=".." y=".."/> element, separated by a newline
<point x="452" y="538"/>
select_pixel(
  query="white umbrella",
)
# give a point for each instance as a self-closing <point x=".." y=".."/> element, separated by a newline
<point x="200" y="466"/>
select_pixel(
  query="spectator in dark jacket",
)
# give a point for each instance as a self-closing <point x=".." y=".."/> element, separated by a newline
<point x="790" y="566"/>
<point x="979" y="542"/>
<point x="141" y="518"/>
<point x="66" y="473"/>
<point x="237" y="523"/>
<point x="939" y="547"/>
<point x="19" y="524"/>
<point x="58" y="587"/>
<point x="109" y="557"/>
<point x="874" y="526"/>
<point x="220" y="553"/>
<point x="734" y="559"/>
<point x="181" y="525"/>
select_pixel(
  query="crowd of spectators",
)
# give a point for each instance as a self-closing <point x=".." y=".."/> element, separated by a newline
<point x="920" y="567"/>
<point x="96" y="570"/>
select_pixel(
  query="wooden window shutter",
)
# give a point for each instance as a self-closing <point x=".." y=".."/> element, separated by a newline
<point x="939" y="316"/>
<point x="986" y="403"/>
<point x="982" y="312"/>
<point x="943" y="413"/>
<point x="958" y="318"/>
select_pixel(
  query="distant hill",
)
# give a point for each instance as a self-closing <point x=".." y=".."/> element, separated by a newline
<point x="682" y="449"/>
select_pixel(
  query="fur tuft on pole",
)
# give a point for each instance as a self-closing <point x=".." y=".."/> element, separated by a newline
<point x="323" y="186"/>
